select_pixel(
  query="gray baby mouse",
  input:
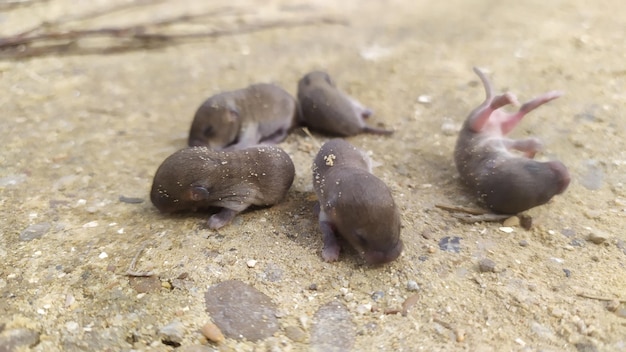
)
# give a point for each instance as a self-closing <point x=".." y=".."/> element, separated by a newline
<point x="260" y="113"/>
<point x="325" y="108"/>
<point x="198" y="177"/>
<point x="501" y="171"/>
<point x="354" y="204"/>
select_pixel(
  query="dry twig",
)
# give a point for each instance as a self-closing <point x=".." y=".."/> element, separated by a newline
<point x="472" y="215"/>
<point x="131" y="268"/>
<point x="48" y="38"/>
<point x="600" y="298"/>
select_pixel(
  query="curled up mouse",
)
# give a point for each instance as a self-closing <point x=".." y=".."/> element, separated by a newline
<point x="501" y="171"/>
<point x="261" y="113"/>
<point x="354" y="204"/>
<point x="326" y="109"/>
<point x="198" y="177"/>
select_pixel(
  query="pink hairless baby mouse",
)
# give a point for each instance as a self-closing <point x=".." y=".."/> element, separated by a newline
<point x="501" y="171"/>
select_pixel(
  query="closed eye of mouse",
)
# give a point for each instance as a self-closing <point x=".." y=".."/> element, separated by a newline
<point x="208" y="131"/>
<point x="199" y="193"/>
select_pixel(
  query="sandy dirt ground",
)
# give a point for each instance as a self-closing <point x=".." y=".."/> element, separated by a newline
<point x="82" y="127"/>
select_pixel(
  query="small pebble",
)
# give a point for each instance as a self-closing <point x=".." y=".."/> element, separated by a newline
<point x="486" y="265"/>
<point x="212" y="333"/>
<point x="412" y="285"/>
<point x="251" y="263"/>
<point x="376" y="296"/>
<point x="526" y="221"/>
<point x="450" y="244"/>
<point x="130" y="200"/>
<point x="91" y="224"/>
<point x="18" y="339"/>
<point x="172" y="334"/>
<point x="567" y="272"/>
<point x="34" y="231"/>
<point x="596" y="237"/>
<point x="424" y="99"/>
<point x="363" y="308"/>
<point x="241" y="311"/>
<point x="313" y="287"/>
<point x="586" y="347"/>
<point x="523" y="243"/>
<point x="331" y="318"/>
<point x="613" y="305"/>
<point x="506" y="229"/>
<point x="511" y="222"/>
<point x="295" y="333"/>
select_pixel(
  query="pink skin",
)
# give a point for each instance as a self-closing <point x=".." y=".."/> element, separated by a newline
<point x="501" y="171"/>
<point x="488" y="119"/>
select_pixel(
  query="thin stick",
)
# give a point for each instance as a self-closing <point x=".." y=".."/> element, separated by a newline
<point x="453" y="208"/>
<point x="308" y="133"/>
<point x="138" y="32"/>
<point x="600" y="298"/>
<point x="131" y="269"/>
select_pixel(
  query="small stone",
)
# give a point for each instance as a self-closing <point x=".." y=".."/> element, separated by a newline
<point x="586" y="347"/>
<point x="486" y="265"/>
<point x="450" y="244"/>
<point x="567" y="272"/>
<point x="212" y="333"/>
<point x="251" y="263"/>
<point x="12" y="180"/>
<point x="412" y="285"/>
<point x="511" y="222"/>
<point x="363" y="308"/>
<point x="313" y="287"/>
<point x="376" y="296"/>
<point x="612" y="305"/>
<point x="273" y="272"/>
<point x="172" y="334"/>
<point x="596" y="237"/>
<point x="34" y="231"/>
<point x="241" y="311"/>
<point x="523" y="243"/>
<point x="90" y="224"/>
<point x="450" y="128"/>
<point x="18" y="339"/>
<point x="103" y="255"/>
<point x="71" y="326"/>
<point x="424" y="99"/>
<point x="526" y="221"/>
<point x="329" y="319"/>
<point x="130" y="200"/>
<point x="295" y="333"/>
<point x="506" y="229"/>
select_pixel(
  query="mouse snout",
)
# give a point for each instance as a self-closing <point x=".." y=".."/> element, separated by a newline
<point x="562" y="175"/>
<point x="375" y="256"/>
<point x="194" y="142"/>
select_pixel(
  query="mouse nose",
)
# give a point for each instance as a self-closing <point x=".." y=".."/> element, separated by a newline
<point x="193" y="142"/>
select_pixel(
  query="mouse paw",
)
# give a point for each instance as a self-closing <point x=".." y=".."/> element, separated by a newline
<point x="331" y="249"/>
<point x="221" y="219"/>
<point x="331" y="253"/>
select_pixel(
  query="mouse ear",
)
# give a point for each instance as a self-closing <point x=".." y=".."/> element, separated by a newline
<point x="199" y="193"/>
